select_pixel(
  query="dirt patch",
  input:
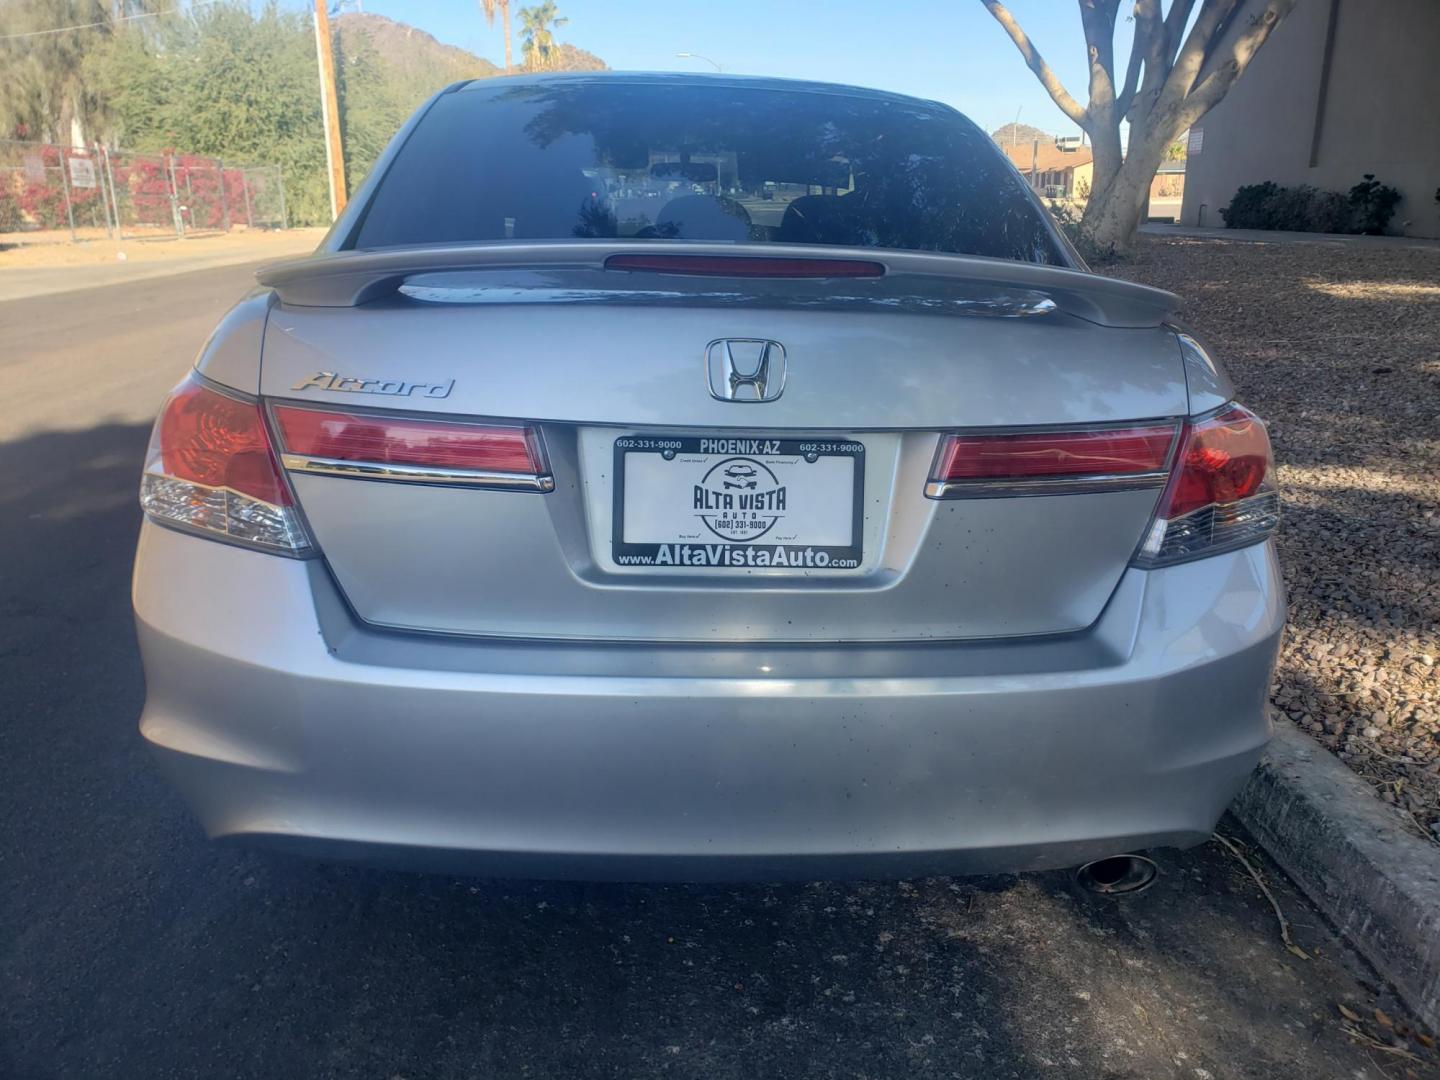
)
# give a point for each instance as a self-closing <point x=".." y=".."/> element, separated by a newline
<point x="259" y="242"/>
<point x="1339" y="349"/>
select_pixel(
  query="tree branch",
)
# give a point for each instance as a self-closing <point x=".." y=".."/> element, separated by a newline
<point x="1191" y="57"/>
<point x="1097" y="17"/>
<point x="1036" y="63"/>
<point x="1175" y="28"/>
<point x="1145" y="11"/>
<point x="1217" y="38"/>
<point x="1230" y="63"/>
<point x="1132" y="68"/>
<point x="1132" y="76"/>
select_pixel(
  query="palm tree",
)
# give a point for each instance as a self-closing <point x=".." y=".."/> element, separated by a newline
<point x="539" y="42"/>
<point x="490" y="7"/>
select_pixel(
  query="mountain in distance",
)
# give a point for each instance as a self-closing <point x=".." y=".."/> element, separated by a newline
<point x="408" y="52"/>
<point x="1021" y="135"/>
<point x="572" y="58"/>
<point x="413" y="57"/>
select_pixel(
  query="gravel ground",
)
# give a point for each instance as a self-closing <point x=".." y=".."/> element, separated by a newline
<point x="1338" y="347"/>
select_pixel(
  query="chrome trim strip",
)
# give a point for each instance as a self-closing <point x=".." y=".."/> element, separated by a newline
<point x="417" y="474"/>
<point x="1049" y="485"/>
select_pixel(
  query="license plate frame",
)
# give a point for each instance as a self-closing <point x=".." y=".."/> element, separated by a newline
<point x="754" y="528"/>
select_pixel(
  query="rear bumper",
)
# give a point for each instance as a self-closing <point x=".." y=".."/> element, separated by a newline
<point x="284" y="722"/>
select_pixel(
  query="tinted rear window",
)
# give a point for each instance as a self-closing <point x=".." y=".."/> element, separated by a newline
<point x="633" y="160"/>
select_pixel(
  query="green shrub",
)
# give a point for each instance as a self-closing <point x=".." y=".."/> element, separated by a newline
<point x="1068" y="222"/>
<point x="1373" y="204"/>
<point x="10" y="217"/>
<point x="1248" y="208"/>
<point x="1289" y="208"/>
<point x="1066" y="218"/>
<point x="1367" y="209"/>
<point x="1329" y="212"/>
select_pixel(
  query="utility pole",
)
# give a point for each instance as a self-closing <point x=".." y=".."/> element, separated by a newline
<point x="329" y="110"/>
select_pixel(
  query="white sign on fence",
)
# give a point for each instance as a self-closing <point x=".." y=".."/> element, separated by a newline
<point x="82" y="172"/>
<point x="35" y="168"/>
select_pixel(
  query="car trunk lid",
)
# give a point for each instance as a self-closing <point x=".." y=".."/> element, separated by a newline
<point x="613" y="369"/>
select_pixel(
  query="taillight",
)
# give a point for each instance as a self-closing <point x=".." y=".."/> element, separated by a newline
<point x="1218" y="493"/>
<point x="210" y="468"/>
<point x="1051" y="462"/>
<point x="765" y="266"/>
<point x="411" y="450"/>
<point x="1221" y="494"/>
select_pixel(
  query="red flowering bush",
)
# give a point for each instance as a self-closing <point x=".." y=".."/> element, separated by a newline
<point x="143" y="189"/>
<point x="43" y="201"/>
<point x="148" y="190"/>
<point x="213" y="197"/>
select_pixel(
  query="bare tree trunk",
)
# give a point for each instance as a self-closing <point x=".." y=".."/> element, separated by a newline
<point x="1105" y="145"/>
<point x="505" y="18"/>
<point x="69" y="127"/>
<point x="1113" y="216"/>
<point x="1185" y="73"/>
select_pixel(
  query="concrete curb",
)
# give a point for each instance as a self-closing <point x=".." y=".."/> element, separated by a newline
<point x="1348" y="852"/>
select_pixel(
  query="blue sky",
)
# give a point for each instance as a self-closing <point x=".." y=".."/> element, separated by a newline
<point x="949" y="50"/>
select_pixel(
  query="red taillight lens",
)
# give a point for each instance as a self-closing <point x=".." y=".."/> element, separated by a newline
<point x="210" y="470"/>
<point x="424" y="444"/>
<point x="1220" y="496"/>
<point x="1217" y="494"/>
<point x="207" y="438"/>
<point x="746" y="266"/>
<point x="1223" y="459"/>
<point x="1055" y="455"/>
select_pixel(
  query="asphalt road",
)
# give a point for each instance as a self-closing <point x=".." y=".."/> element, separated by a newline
<point x="131" y="947"/>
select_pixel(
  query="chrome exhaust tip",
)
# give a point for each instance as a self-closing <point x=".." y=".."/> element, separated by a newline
<point x="1119" y="875"/>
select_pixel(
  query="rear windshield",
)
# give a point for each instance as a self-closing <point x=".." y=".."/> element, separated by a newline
<point x="597" y="159"/>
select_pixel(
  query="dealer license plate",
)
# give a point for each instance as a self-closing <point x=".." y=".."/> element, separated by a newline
<point x="738" y="502"/>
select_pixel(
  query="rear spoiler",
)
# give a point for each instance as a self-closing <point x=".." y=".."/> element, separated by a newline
<point x="576" y="272"/>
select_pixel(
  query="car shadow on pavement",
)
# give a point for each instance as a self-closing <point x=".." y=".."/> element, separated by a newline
<point x="138" y="948"/>
<point x="133" y="947"/>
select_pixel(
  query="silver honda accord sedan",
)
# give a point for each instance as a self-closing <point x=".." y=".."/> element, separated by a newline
<point x="658" y="477"/>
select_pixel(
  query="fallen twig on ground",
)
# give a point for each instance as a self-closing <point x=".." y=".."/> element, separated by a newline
<point x="1234" y="849"/>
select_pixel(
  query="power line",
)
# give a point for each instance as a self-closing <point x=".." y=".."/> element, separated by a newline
<point x="106" y="22"/>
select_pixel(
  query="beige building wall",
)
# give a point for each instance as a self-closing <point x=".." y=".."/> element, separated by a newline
<point x="1381" y="112"/>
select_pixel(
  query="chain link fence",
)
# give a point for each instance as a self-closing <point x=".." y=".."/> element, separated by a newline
<point x="56" y="194"/>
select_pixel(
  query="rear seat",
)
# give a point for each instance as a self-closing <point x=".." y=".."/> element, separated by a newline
<point x="826" y="219"/>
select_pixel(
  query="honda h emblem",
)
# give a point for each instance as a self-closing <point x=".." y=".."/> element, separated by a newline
<point x="745" y="369"/>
